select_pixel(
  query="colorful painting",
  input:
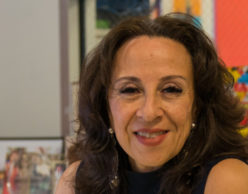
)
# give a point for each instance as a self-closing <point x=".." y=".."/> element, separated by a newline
<point x="110" y="12"/>
<point x="240" y="88"/>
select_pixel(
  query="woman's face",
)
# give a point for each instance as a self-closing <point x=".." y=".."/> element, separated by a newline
<point x="151" y="100"/>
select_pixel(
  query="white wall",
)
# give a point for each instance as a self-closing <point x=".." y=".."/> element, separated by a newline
<point x="29" y="68"/>
<point x="90" y="25"/>
<point x="74" y="40"/>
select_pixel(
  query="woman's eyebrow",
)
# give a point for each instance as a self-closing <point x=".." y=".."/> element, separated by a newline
<point x="135" y="79"/>
<point x="171" y="77"/>
<point x="127" y="78"/>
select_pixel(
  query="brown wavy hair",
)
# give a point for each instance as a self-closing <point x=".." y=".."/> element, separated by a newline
<point x="218" y="113"/>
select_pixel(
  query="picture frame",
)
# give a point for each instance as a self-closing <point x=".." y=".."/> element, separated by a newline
<point x="31" y="165"/>
<point x="97" y="17"/>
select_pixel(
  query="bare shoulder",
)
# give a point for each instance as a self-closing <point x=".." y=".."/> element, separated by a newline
<point x="67" y="180"/>
<point x="229" y="176"/>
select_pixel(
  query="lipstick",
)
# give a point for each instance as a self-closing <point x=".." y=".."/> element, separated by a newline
<point x="151" y="137"/>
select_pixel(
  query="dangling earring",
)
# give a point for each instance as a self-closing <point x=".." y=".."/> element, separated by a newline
<point x="188" y="143"/>
<point x="114" y="179"/>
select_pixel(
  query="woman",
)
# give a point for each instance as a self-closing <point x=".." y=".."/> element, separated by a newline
<point x="157" y="115"/>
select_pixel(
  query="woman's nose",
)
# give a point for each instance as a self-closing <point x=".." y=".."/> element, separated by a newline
<point x="150" y="109"/>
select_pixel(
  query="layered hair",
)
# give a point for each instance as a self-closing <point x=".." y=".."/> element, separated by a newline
<point x="217" y="112"/>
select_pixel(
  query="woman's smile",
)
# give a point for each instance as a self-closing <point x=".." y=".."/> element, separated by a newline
<point x="151" y="137"/>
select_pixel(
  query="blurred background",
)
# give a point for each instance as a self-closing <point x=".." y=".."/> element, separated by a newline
<point x="43" y="43"/>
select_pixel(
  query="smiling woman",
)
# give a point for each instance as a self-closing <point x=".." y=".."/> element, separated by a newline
<point x="157" y="115"/>
<point x="151" y="99"/>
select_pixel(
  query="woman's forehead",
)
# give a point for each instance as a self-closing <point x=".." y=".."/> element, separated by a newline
<point x="150" y="53"/>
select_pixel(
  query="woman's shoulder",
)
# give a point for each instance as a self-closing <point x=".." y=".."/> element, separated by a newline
<point x="228" y="176"/>
<point x="67" y="180"/>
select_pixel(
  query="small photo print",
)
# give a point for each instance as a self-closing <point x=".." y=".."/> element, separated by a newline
<point x="31" y="170"/>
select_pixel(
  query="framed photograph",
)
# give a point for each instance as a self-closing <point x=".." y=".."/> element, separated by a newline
<point x="30" y="165"/>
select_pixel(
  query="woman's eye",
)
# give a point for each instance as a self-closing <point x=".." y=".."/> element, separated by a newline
<point x="172" y="89"/>
<point x="129" y="90"/>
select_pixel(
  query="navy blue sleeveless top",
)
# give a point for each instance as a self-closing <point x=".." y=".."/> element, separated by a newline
<point x="145" y="183"/>
<point x="148" y="183"/>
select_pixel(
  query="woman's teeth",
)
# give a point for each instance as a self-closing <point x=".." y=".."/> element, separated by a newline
<point x="150" y="135"/>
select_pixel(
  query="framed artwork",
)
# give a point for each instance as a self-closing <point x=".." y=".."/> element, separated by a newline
<point x="30" y="165"/>
<point x="97" y="17"/>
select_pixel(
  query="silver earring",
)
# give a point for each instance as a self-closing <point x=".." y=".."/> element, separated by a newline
<point x="193" y="125"/>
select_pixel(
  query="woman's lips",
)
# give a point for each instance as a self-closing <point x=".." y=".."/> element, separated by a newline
<point x="151" y="137"/>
